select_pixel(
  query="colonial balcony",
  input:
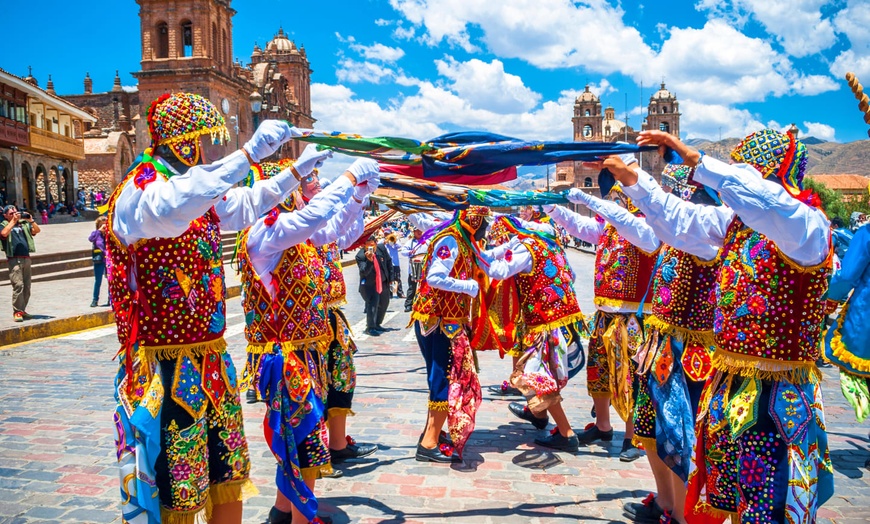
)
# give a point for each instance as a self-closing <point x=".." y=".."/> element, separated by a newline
<point x="46" y="142"/>
<point x="13" y="133"/>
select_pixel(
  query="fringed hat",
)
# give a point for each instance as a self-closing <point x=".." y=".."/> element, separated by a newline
<point x="678" y="178"/>
<point x="498" y="232"/>
<point x="777" y="154"/>
<point x="180" y="119"/>
<point x="474" y="216"/>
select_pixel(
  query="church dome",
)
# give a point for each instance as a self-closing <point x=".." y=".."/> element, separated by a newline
<point x="281" y="44"/>
<point x="587" y="96"/>
<point x="662" y="93"/>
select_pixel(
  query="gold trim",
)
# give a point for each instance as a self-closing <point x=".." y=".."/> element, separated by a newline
<point x="440" y="405"/>
<point x="564" y="321"/>
<point x="766" y="369"/>
<point x="189" y="350"/>
<point x="232" y="491"/>
<point x="842" y="352"/>
<point x="629" y="307"/>
<point x="647" y="443"/>
<point x="703" y="338"/>
<point x="337" y="412"/>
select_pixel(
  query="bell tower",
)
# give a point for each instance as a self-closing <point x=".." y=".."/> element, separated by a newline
<point x="187" y="46"/>
<point x="663" y="114"/>
<point x="587" y="117"/>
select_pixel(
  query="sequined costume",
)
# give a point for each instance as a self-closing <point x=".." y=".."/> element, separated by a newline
<point x="846" y="344"/>
<point x="284" y="279"/>
<point x="621" y="281"/>
<point x="535" y="264"/>
<point x="180" y="441"/>
<point x="442" y="315"/>
<point x="761" y="453"/>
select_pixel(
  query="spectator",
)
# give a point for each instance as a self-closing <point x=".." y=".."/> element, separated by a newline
<point x="81" y="198"/>
<point x="392" y="247"/>
<point x="93" y="199"/>
<point x="44" y="215"/>
<point x="16" y="235"/>
<point x="374" y="265"/>
<point x="97" y="239"/>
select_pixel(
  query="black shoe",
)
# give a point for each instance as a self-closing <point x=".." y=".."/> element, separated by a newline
<point x="522" y="411"/>
<point x="558" y="441"/>
<point x="505" y="390"/>
<point x="592" y="433"/>
<point x="437" y="454"/>
<point x="384" y="329"/>
<point x="352" y="451"/>
<point x="251" y="396"/>
<point x="408" y="309"/>
<point x="646" y="511"/>
<point x="277" y="516"/>
<point x="372" y="333"/>
<point x="443" y="438"/>
<point x="629" y="452"/>
<point x="94" y="303"/>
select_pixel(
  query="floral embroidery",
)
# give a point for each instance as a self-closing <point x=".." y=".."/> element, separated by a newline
<point x="753" y="471"/>
<point x="144" y="176"/>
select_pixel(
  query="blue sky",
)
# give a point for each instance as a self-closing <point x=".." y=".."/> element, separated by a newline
<point x="418" y="68"/>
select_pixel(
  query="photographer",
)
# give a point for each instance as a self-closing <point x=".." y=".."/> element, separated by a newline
<point x="16" y="236"/>
<point x="374" y="266"/>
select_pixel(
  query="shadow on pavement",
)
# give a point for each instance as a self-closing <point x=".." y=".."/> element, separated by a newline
<point x="523" y="510"/>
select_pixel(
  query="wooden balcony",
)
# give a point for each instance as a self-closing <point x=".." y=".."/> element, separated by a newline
<point x="42" y="141"/>
<point x="13" y="133"/>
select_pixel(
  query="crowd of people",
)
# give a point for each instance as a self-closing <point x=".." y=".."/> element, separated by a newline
<point x="711" y="294"/>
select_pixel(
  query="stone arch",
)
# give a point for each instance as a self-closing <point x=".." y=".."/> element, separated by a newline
<point x="28" y="186"/>
<point x="587" y="182"/>
<point x="7" y="181"/>
<point x="40" y="181"/>
<point x="161" y="42"/>
<point x="185" y="41"/>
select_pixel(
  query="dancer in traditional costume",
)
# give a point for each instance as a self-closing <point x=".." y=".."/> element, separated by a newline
<point x="180" y="440"/>
<point x="441" y="316"/>
<point x="674" y="363"/>
<point x="543" y="283"/>
<point x="284" y="279"/>
<point x="846" y="344"/>
<point x="623" y="271"/>
<point x="761" y="452"/>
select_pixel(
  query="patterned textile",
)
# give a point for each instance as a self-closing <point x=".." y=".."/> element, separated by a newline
<point x="342" y="347"/>
<point x="180" y="119"/>
<point x="542" y="371"/>
<point x="435" y="303"/>
<point x="469" y="154"/>
<point x="464" y="395"/>
<point x="180" y="289"/>
<point x="774" y="467"/>
<point x="622" y="273"/>
<point x="615" y="340"/>
<point x="683" y="295"/>
<point x="678" y="178"/>
<point x="757" y="309"/>
<point x="336" y="289"/>
<point x="781" y="155"/>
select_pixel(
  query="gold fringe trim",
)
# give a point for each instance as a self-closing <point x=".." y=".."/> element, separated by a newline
<point x="707" y="263"/>
<point x="321" y="345"/>
<point x="766" y="369"/>
<point x="600" y="394"/>
<point x="701" y="338"/>
<point x="188" y="350"/>
<point x="316" y="472"/>
<point x="260" y="349"/>
<point x="842" y="352"/>
<point x="426" y="319"/>
<point x="703" y="508"/>
<point x="647" y="443"/>
<point x="337" y="412"/>
<point x="556" y="324"/>
<point x="623" y="305"/>
<point x="440" y="405"/>
<point x="805" y="269"/>
<point x="232" y="491"/>
<point x="337" y="303"/>
<point x="194" y="516"/>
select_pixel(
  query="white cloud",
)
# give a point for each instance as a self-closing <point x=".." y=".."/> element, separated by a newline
<point x="797" y="24"/>
<point x="711" y="121"/>
<point x="381" y="22"/>
<point x="379" y="52"/>
<point x="820" y="131"/>
<point x="487" y="85"/>
<point x="850" y="61"/>
<point x="352" y="71"/>
<point x="853" y="22"/>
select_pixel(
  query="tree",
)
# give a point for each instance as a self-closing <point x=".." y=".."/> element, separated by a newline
<point x="833" y="203"/>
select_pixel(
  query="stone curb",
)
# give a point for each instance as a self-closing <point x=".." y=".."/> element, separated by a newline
<point x="62" y="326"/>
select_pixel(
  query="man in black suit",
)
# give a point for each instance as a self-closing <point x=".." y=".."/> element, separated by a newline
<point x="374" y="264"/>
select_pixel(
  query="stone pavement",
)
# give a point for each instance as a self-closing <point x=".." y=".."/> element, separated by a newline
<point x="57" y="463"/>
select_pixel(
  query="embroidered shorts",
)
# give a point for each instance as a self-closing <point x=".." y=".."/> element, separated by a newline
<point x="340" y="366"/>
<point x="197" y="455"/>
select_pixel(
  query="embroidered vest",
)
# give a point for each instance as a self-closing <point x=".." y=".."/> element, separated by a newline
<point x="622" y="273"/>
<point x="684" y="291"/>
<point x="431" y="303"/>
<point x="180" y="287"/>
<point x="769" y="310"/>
<point x="546" y="293"/>
<point x="333" y="275"/>
<point x="297" y="312"/>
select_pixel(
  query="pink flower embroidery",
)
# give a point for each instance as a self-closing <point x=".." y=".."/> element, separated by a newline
<point x="181" y="471"/>
<point x="756" y="305"/>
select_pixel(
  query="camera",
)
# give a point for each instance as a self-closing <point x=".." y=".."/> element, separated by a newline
<point x="26" y="215"/>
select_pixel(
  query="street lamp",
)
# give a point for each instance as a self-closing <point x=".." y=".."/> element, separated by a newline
<point x="256" y="106"/>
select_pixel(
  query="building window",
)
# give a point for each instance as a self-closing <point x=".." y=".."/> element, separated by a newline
<point x="664" y="109"/>
<point x="587" y="131"/>
<point x="587" y="182"/>
<point x="561" y="176"/>
<point x="215" y="45"/>
<point x="587" y="113"/>
<point x="162" y="43"/>
<point x="186" y="38"/>
<point x="226" y="57"/>
<point x="664" y="126"/>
